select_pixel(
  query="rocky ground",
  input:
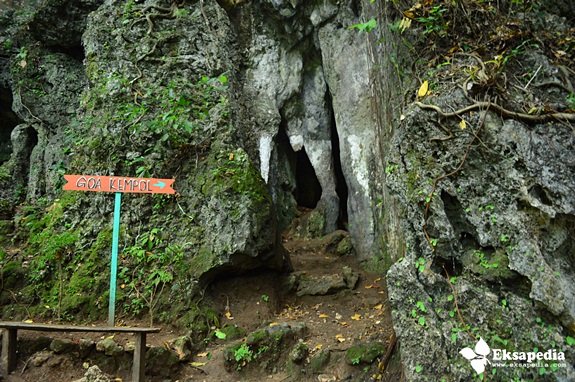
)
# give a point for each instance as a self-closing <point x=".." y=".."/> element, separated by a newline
<point x="334" y="324"/>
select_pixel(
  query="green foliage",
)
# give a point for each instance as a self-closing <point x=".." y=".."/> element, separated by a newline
<point x="148" y="267"/>
<point x="391" y="168"/>
<point x="243" y="355"/>
<point x="365" y="27"/>
<point x="500" y="61"/>
<point x="157" y="120"/>
<point x="571" y="100"/>
<point x="420" y="264"/>
<point x="483" y="262"/>
<point x="47" y="242"/>
<point x="234" y="172"/>
<point x="434" y="21"/>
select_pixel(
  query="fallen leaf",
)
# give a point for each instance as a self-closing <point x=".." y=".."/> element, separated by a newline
<point x="323" y="316"/>
<point x="454" y="49"/>
<point x="423" y="89"/>
<point x="231" y="157"/>
<point x="28" y="321"/>
<point x="318" y="347"/>
<point x="204" y="354"/>
<point x="198" y="364"/>
<point x="409" y="14"/>
<point x="274" y="323"/>
<point x="377" y="280"/>
<point x="22" y="64"/>
<point x="356" y="317"/>
<point x="462" y="124"/>
<point x="378" y="306"/>
<point x="340" y="338"/>
<point x="229" y="316"/>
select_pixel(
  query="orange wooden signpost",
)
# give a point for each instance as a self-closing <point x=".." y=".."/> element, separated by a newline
<point x="102" y="183"/>
<point x="118" y="185"/>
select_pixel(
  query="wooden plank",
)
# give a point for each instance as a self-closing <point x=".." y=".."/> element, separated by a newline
<point x="139" y="366"/>
<point x="9" y="338"/>
<point x="70" y="328"/>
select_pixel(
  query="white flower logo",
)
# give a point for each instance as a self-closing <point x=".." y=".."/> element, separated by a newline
<point x="477" y="357"/>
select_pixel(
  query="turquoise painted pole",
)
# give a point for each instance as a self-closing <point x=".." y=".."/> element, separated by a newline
<point x="114" y="266"/>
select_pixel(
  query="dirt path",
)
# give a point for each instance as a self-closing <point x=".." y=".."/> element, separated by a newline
<point x="350" y="313"/>
<point x="335" y="321"/>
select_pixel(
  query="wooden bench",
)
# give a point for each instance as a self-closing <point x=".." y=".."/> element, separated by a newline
<point x="9" y="342"/>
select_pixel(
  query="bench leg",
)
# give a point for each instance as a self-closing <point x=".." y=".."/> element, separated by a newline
<point x="9" y="341"/>
<point x="139" y="367"/>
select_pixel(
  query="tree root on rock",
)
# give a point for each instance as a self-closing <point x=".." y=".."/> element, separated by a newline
<point x="162" y="13"/>
<point x="528" y="118"/>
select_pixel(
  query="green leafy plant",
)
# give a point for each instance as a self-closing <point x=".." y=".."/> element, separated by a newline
<point x="391" y="168"/>
<point x="365" y="27"/>
<point x="483" y="262"/>
<point x="155" y="267"/>
<point x="420" y="264"/>
<point x="242" y="355"/>
<point x="434" y="21"/>
<point x="421" y="306"/>
<point x="500" y="61"/>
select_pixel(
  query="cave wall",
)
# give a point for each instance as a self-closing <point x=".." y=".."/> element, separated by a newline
<point x="481" y="214"/>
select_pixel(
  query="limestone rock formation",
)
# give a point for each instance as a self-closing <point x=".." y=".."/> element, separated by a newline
<point x="260" y="108"/>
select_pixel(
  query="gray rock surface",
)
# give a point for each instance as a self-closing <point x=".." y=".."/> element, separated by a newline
<point x="94" y="374"/>
<point x="499" y="233"/>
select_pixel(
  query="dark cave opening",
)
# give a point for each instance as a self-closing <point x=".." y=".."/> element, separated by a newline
<point x="308" y="189"/>
<point x="8" y="121"/>
<point x="340" y="183"/>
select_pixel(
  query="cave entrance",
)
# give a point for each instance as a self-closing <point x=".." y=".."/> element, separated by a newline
<point x="308" y="189"/>
<point x="8" y="121"/>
